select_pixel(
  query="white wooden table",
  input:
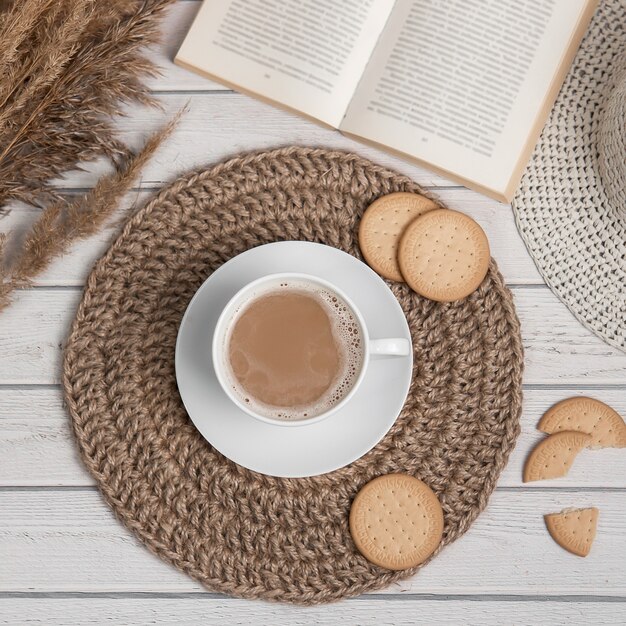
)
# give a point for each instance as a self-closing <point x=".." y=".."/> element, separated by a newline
<point x="64" y="559"/>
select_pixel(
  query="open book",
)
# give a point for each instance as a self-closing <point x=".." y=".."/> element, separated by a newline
<point x="461" y="86"/>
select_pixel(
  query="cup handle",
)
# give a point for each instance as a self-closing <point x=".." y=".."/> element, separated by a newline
<point x="390" y="347"/>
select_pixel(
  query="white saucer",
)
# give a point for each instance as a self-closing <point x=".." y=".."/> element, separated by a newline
<point x="307" y="450"/>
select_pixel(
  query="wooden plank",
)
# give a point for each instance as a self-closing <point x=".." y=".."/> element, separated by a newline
<point x="559" y="350"/>
<point x="506" y="245"/>
<point x="31" y="335"/>
<point x="219" y="125"/>
<point x="37" y="447"/>
<point x="63" y="541"/>
<point x="403" y="611"/>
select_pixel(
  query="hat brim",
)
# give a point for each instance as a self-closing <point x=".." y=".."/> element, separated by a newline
<point x="574" y="235"/>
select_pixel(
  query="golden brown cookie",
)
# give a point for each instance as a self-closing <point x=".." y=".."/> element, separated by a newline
<point x="382" y="225"/>
<point x="444" y="255"/>
<point x="553" y="456"/>
<point x="586" y="415"/>
<point x="573" y="529"/>
<point x="396" y="521"/>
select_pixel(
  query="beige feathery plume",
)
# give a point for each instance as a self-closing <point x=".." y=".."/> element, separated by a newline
<point x="71" y="120"/>
<point x="63" y="223"/>
<point x="67" y="67"/>
<point x="58" y="47"/>
<point x="18" y="24"/>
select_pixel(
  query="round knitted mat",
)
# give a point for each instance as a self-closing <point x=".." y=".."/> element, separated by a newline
<point x="233" y="530"/>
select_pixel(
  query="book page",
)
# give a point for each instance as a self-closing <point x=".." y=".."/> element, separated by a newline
<point x="307" y="55"/>
<point x="461" y="84"/>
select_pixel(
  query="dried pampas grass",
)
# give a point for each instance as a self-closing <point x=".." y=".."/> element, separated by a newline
<point x="66" y="69"/>
<point x="62" y="223"/>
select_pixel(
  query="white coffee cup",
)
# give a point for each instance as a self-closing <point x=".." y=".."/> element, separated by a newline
<point x="372" y="347"/>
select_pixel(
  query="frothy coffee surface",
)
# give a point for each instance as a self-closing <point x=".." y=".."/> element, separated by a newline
<point x="294" y="351"/>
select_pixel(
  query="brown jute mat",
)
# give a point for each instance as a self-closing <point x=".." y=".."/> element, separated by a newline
<point x="233" y="530"/>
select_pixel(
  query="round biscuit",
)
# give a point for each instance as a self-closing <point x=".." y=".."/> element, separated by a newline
<point x="586" y="415"/>
<point x="382" y="225"/>
<point x="444" y="255"/>
<point x="553" y="456"/>
<point x="396" y="521"/>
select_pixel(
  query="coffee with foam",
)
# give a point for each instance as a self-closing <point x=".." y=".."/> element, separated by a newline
<point x="294" y="350"/>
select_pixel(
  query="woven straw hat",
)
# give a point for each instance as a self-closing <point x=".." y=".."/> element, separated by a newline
<point x="571" y="204"/>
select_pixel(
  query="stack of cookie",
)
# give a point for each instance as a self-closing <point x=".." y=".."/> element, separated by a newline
<point x="441" y="254"/>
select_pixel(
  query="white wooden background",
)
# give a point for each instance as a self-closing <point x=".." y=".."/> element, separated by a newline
<point x="64" y="559"/>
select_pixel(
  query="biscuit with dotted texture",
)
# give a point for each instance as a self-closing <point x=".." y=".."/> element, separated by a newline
<point x="553" y="456"/>
<point x="573" y="529"/>
<point x="382" y="225"/>
<point x="396" y="521"/>
<point x="586" y="415"/>
<point x="444" y="255"/>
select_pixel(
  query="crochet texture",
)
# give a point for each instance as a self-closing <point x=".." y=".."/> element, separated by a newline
<point x="233" y="530"/>
<point x="572" y="220"/>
